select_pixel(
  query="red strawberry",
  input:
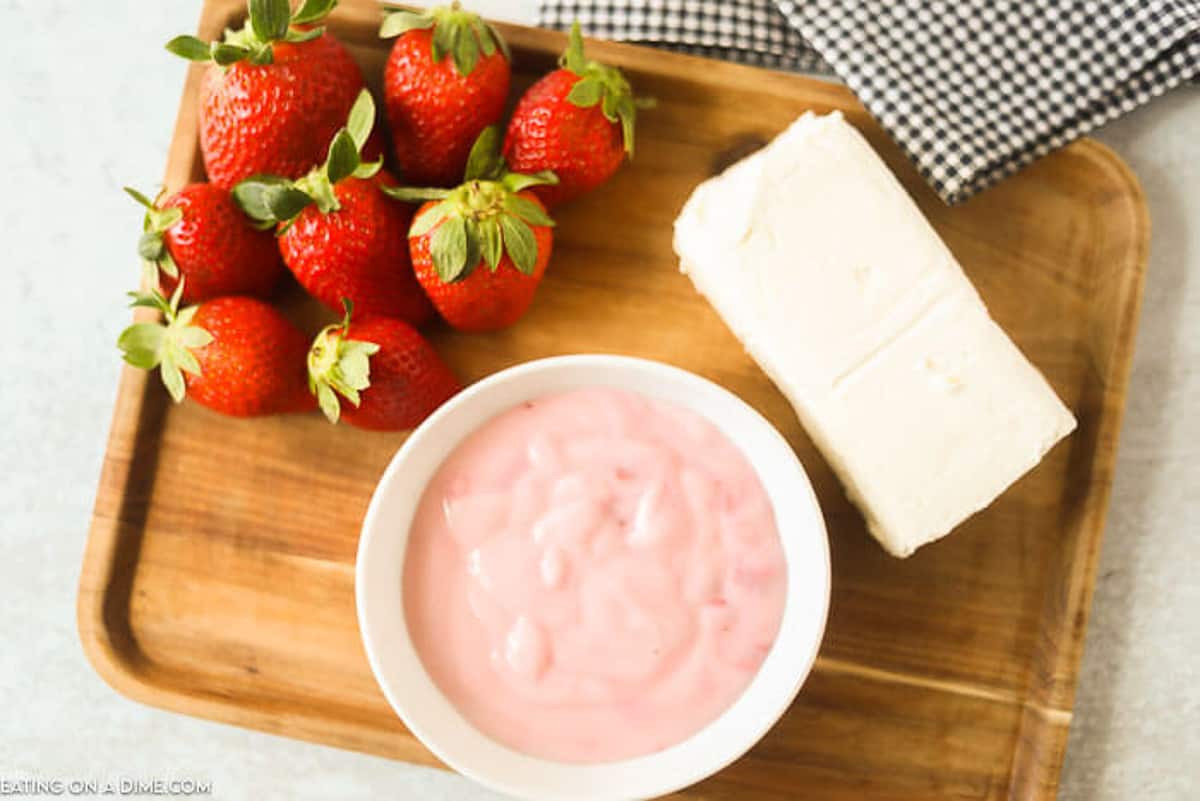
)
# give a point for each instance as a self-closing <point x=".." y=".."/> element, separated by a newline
<point x="480" y="249"/>
<point x="478" y="299"/>
<point x="358" y="251"/>
<point x="577" y="121"/>
<point x="339" y="234"/>
<point x="278" y="91"/>
<point x="234" y="355"/>
<point x="436" y="105"/>
<point x="392" y="378"/>
<point x="199" y="234"/>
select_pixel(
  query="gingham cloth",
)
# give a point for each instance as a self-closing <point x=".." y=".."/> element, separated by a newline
<point x="972" y="90"/>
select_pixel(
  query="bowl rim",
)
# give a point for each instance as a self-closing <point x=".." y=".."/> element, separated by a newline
<point x="432" y="718"/>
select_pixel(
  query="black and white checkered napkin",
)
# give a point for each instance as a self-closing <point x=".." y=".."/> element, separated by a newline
<point x="972" y="90"/>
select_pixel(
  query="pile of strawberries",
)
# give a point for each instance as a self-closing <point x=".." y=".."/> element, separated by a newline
<point x="297" y="184"/>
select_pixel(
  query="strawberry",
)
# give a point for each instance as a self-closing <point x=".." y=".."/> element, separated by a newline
<point x="391" y="376"/>
<point x="234" y="355"/>
<point x="490" y="219"/>
<point x="577" y="121"/>
<point x="200" y="234"/>
<point x="339" y="234"/>
<point x="278" y="90"/>
<point x="436" y="105"/>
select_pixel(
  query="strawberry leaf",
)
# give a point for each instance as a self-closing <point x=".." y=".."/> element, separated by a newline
<point x="226" y="54"/>
<point x="167" y="264"/>
<point x="490" y="243"/>
<point x="449" y="249"/>
<point x="164" y="219"/>
<point x="343" y="159"/>
<point x="516" y="181"/>
<point x="185" y="358"/>
<point x="262" y="56"/>
<point x="193" y="337"/>
<point x="313" y="10"/>
<point x="519" y="243"/>
<point x="327" y="400"/>
<point x="441" y="43"/>
<point x="427" y="219"/>
<point x="339" y="366"/>
<point x="150" y="275"/>
<point x="466" y="50"/>
<point x="191" y="48"/>
<point x="250" y="196"/>
<point x="151" y="246"/>
<point x="484" y="161"/>
<point x="361" y="118"/>
<point x="473" y="246"/>
<point x="462" y="35"/>
<point x="602" y="84"/>
<point x="140" y="198"/>
<point x="149" y="300"/>
<point x="184" y="317"/>
<point x="586" y="93"/>
<point x="296" y="36"/>
<point x="500" y="42"/>
<point x="269" y="198"/>
<point x="355" y="367"/>
<point x="285" y="202"/>
<point x="173" y="306"/>
<point x="400" y="21"/>
<point x="140" y="344"/>
<point x="609" y="106"/>
<point x="269" y="19"/>
<point x="368" y="169"/>
<point x="573" y="58"/>
<point x="484" y="35"/>
<point x="167" y="345"/>
<point x="627" y="112"/>
<point x="172" y="378"/>
<point x="527" y="210"/>
<point x="415" y="194"/>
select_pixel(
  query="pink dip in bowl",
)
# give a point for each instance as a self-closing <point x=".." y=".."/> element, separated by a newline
<point x="593" y="576"/>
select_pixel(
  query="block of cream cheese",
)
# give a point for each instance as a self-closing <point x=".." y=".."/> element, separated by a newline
<point x="840" y="289"/>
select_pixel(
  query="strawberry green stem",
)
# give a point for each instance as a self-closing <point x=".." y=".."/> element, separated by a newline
<point x="476" y="222"/>
<point x="269" y="21"/>
<point x="464" y="35"/>
<point x="271" y="199"/>
<point x="603" y="85"/>
<point x="338" y="365"/>
<point x="482" y="218"/>
<point x="151" y="245"/>
<point x="169" y="344"/>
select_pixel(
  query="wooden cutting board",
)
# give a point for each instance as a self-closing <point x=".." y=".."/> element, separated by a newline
<point x="218" y="578"/>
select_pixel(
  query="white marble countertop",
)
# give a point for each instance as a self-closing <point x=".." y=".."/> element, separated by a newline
<point x="88" y="104"/>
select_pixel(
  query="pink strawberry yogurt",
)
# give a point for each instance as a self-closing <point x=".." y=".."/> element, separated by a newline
<point x="593" y="576"/>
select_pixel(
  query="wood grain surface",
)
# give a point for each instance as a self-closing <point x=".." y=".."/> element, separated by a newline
<point x="218" y="577"/>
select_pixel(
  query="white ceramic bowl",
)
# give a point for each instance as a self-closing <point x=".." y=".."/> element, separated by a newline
<point x="433" y="719"/>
